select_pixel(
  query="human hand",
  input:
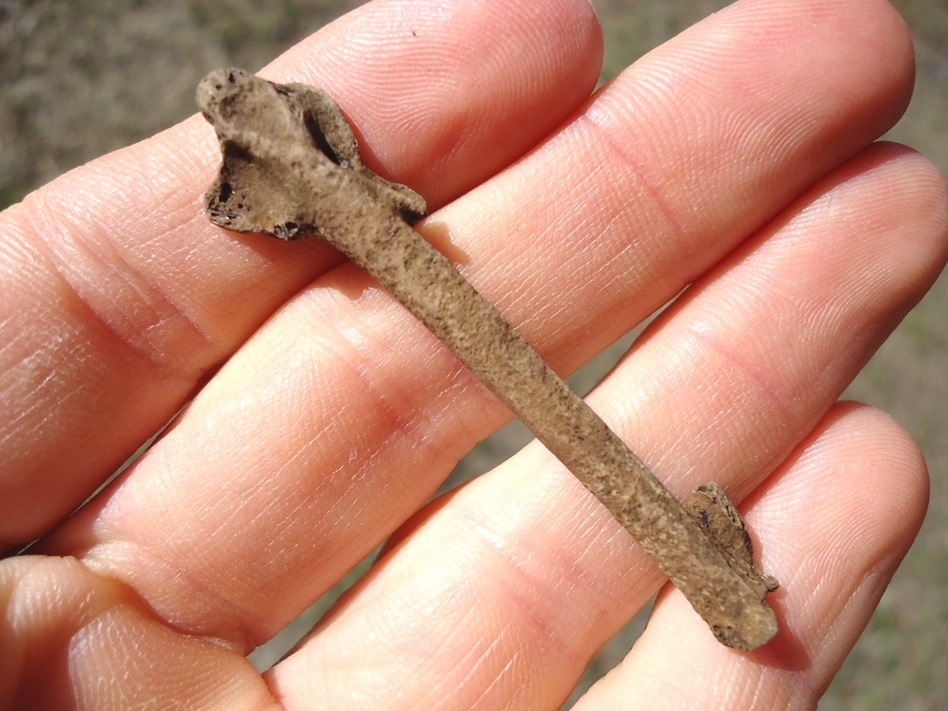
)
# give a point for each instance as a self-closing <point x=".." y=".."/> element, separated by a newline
<point x="736" y="158"/>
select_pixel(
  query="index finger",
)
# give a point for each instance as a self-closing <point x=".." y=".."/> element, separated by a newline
<point x="120" y="298"/>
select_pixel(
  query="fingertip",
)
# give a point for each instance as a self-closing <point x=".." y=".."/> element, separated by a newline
<point x="471" y="83"/>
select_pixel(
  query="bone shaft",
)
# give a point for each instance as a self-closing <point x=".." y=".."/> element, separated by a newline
<point x="427" y="283"/>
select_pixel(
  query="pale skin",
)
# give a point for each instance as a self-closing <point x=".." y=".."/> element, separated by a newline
<point x="749" y="173"/>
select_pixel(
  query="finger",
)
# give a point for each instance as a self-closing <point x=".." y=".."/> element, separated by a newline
<point x="74" y="640"/>
<point x="343" y="415"/>
<point x="522" y="575"/>
<point x="120" y="297"/>
<point x="835" y="523"/>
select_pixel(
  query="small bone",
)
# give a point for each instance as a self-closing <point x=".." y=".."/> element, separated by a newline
<point x="291" y="168"/>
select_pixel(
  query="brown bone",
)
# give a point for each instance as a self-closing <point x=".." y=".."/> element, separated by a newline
<point x="291" y="169"/>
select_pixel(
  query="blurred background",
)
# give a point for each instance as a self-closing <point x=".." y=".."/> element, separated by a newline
<point x="81" y="78"/>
